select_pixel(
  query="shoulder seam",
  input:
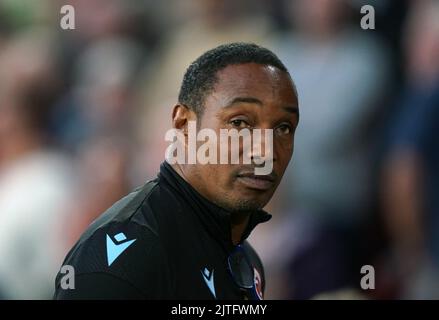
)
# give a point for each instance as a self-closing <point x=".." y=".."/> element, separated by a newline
<point x="140" y="205"/>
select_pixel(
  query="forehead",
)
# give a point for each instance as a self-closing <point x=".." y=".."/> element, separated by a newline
<point x="261" y="81"/>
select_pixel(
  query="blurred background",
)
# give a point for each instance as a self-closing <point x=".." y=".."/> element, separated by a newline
<point x="83" y="115"/>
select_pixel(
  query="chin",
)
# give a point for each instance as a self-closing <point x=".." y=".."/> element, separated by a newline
<point x="255" y="197"/>
<point x="243" y="199"/>
<point x="249" y="204"/>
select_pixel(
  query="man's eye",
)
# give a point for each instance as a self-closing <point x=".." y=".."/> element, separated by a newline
<point x="284" y="129"/>
<point x="239" y="123"/>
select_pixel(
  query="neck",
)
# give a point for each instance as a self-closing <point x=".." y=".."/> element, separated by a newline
<point x="181" y="172"/>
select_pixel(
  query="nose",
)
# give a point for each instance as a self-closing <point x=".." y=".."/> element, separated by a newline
<point x="261" y="150"/>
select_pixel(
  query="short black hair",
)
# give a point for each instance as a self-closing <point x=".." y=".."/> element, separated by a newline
<point x="201" y="75"/>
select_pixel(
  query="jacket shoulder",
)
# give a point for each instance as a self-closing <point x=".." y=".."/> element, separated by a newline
<point x="122" y="246"/>
<point x="126" y="209"/>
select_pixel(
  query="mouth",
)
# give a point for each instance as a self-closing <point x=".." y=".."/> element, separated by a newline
<point x="257" y="182"/>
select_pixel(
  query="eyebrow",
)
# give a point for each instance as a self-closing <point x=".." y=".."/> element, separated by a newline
<point x="289" y="109"/>
<point x="292" y="109"/>
<point x="244" y="100"/>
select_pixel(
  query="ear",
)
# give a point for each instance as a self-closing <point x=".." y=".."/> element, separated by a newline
<point x="180" y="117"/>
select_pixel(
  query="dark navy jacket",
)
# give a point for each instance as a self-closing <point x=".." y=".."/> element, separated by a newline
<point x="162" y="241"/>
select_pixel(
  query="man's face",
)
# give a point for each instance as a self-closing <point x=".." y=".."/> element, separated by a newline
<point x="249" y="96"/>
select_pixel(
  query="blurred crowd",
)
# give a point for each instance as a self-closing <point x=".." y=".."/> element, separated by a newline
<point x="83" y="115"/>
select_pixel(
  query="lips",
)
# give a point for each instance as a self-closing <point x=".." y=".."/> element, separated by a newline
<point x="258" y="182"/>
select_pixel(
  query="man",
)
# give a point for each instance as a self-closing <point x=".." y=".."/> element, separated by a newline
<point x="182" y="235"/>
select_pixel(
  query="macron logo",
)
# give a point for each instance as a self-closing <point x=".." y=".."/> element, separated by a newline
<point x="208" y="278"/>
<point x="115" y="249"/>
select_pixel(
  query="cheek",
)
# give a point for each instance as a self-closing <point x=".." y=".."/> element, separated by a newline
<point x="284" y="158"/>
<point x="220" y="176"/>
<point x="213" y="174"/>
<point x="284" y="150"/>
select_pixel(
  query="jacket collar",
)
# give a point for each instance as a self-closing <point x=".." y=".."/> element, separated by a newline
<point x="215" y="219"/>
